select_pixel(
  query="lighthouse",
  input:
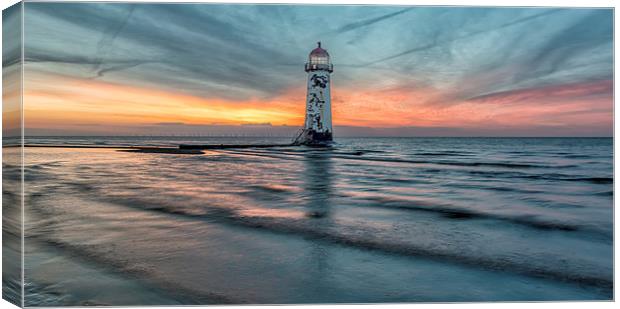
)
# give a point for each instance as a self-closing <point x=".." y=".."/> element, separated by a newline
<point x="317" y="130"/>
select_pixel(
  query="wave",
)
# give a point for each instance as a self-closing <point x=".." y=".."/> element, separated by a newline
<point x="576" y="156"/>
<point x="605" y="193"/>
<point x="493" y="188"/>
<point x="337" y="155"/>
<point x="11" y="290"/>
<point x="595" y="180"/>
<point x="452" y="212"/>
<point x="306" y="227"/>
<point x="84" y="253"/>
<point x="273" y="188"/>
<point x="543" y="176"/>
<point x="443" y="153"/>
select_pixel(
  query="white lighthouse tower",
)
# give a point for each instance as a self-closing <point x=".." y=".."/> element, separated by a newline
<point x="318" y="125"/>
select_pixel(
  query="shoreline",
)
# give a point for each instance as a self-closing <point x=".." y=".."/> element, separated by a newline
<point x="136" y="149"/>
<point x="181" y="149"/>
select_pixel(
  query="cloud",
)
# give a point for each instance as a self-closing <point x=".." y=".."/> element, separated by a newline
<point x="563" y="47"/>
<point x="169" y="123"/>
<point x="11" y="33"/>
<point x="435" y="42"/>
<point x="566" y="92"/>
<point x="105" y="44"/>
<point x="367" y="22"/>
<point x="201" y="60"/>
<point x="438" y="58"/>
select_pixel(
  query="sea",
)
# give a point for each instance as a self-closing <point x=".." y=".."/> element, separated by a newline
<point x="368" y="220"/>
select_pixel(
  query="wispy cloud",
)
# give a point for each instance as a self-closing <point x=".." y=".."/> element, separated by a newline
<point x="370" y="21"/>
<point x="440" y="58"/>
<point x="435" y="42"/>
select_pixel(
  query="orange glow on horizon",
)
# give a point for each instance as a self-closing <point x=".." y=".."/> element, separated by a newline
<point x="61" y="101"/>
<point x="53" y="101"/>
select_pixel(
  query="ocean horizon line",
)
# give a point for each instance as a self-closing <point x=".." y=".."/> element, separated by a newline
<point x="283" y="136"/>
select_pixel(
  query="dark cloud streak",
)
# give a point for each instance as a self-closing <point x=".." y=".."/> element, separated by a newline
<point x="368" y="22"/>
<point x="586" y="33"/>
<point x="437" y="42"/>
<point x="106" y="43"/>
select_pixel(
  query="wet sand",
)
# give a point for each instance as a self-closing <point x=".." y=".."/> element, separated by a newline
<point x="368" y="221"/>
<point x="57" y="276"/>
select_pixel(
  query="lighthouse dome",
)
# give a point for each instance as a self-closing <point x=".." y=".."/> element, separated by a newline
<point x="319" y="60"/>
<point x="319" y="55"/>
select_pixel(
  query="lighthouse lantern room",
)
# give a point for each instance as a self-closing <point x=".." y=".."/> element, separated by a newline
<point x="317" y="128"/>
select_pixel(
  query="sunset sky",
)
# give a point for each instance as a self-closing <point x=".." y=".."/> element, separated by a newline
<point x="128" y="69"/>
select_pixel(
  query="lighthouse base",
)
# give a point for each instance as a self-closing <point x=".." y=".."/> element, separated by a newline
<point x="311" y="137"/>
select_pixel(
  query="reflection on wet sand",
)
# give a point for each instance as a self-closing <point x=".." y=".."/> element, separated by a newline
<point x="317" y="183"/>
<point x="317" y="190"/>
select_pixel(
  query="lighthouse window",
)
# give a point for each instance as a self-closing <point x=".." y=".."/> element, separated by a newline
<point x="319" y="60"/>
